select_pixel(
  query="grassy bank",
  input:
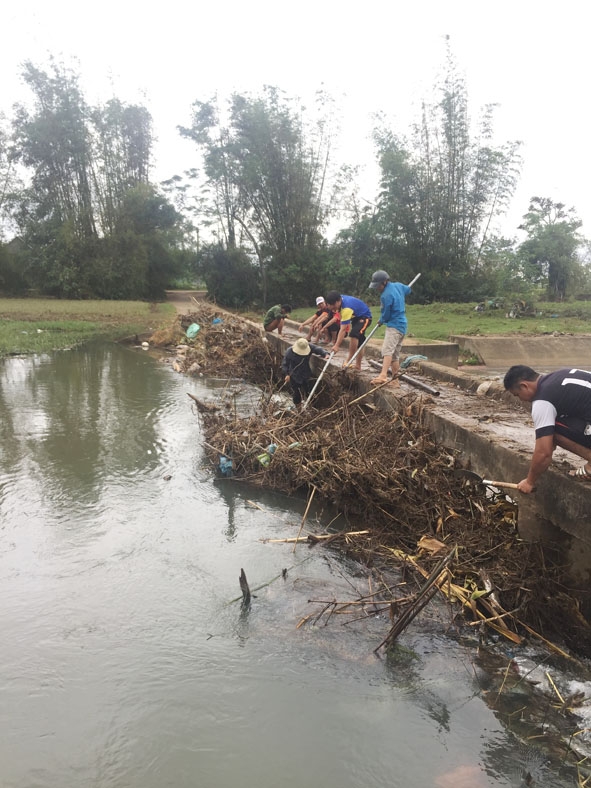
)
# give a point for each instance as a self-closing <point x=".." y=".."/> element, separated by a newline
<point x="440" y="321"/>
<point x="36" y="325"/>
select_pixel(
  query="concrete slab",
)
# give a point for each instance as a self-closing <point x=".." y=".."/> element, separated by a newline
<point x="540" y="352"/>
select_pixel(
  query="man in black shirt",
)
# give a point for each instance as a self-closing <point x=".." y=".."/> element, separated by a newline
<point x="561" y="412"/>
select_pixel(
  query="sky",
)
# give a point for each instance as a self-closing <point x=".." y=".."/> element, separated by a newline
<point x="530" y="58"/>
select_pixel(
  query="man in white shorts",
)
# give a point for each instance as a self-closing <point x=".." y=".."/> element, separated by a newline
<point x="393" y="316"/>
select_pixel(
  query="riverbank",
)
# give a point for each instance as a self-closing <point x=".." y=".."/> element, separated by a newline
<point x="374" y="461"/>
<point x="40" y="325"/>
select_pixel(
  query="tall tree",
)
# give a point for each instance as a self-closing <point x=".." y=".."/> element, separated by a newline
<point x="54" y="142"/>
<point x="10" y="182"/>
<point x="441" y="188"/>
<point x="550" y="251"/>
<point x="92" y="222"/>
<point x="266" y="170"/>
<point x="122" y="148"/>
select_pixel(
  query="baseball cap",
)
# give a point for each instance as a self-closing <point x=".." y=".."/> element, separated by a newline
<point x="319" y="300"/>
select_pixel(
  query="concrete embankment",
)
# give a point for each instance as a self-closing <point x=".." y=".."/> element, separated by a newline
<point x="491" y="433"/>
<point x="540" y="352"/>
<point x="487" y="430"/>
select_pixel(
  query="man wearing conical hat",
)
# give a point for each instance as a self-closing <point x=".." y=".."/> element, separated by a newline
<point x="296" y="368"/>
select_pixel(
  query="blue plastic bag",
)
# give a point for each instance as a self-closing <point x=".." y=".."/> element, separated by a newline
<point x="226" y="466"/>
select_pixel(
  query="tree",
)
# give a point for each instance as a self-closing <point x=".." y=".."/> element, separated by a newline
<point x="122" y="146"/>
<point x="267" y="169"/>
<point x="441" y="189"/>
<point x="231" y="276"/>
<point x="54" y="142"/>
<point x="91" y="222"/>
<point x="550" y="250"/>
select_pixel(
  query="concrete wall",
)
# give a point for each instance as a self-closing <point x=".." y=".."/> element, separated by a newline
<point x="559" y="510"/>
<point x="539" y="351"/>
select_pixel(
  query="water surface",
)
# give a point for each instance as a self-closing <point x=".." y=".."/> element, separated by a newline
<point x="123" y="661"/>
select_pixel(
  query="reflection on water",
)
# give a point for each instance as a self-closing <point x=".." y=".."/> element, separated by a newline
<point x="124" y="661"/>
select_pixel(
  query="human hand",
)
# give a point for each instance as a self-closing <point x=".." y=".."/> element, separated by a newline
<point x="525" y="487"/>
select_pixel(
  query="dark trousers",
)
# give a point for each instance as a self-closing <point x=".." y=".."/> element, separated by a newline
<point x="300" y="391"/>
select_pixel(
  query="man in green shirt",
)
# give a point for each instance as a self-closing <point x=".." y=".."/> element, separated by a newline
<point x="275" y="317"/>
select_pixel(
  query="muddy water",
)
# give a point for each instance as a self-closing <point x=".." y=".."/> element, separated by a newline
<point x="124" y="660"/>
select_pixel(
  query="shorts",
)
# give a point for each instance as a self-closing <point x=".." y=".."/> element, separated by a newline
<point x="392" y="343"/>
<point x="576" y="430"/>
<point x="358" y="326"/>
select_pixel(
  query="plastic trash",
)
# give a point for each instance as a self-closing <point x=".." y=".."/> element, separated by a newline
<point x="409" y="360"/>
<point x="226" y="466"/>
<point x="216" y="320"/>
<point x="265" y="457"/>
<point x="192" y="331"/>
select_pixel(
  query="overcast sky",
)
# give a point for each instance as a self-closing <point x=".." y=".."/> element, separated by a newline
<point x="529" y="57"/>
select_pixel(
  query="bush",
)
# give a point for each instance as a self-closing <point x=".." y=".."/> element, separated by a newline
<point x="231" y="276"/>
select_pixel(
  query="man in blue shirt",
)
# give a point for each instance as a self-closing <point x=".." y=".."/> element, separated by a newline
<point x="355" y="319"/>
<point x="393" y="316"/>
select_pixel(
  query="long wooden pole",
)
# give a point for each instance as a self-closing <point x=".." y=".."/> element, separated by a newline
<point x="304" y="517"/>
<point x="311" y="394"/>
<point x="508" y="485"/>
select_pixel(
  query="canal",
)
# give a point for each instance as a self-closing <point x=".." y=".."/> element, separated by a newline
<point x="124" y="660"/>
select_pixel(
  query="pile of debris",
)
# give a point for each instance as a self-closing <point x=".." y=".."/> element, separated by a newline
<point x="221" y="345"/>
<point x="400" y="499"/>
<point x="404" y="502"/>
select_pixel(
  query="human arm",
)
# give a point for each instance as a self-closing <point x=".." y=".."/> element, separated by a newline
<point x="307" y="321"/>
<point x="540" y="461"/>
<point x="286" y="366"/>
<point x="319" y="351"/>
<point x="320" y="322"/>
<point x="341" y="335"/>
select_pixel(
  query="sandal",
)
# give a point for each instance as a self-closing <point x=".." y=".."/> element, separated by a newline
<point x="581" y="473"/>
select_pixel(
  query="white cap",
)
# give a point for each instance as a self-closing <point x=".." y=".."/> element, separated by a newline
<point x="319" y="300"/>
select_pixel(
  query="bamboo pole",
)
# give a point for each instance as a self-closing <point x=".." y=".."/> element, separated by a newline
<point x="305" y="515"/>
<point x="311" y="394"/>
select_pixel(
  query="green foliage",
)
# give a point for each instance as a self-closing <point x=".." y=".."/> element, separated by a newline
<point x="440" y="189"/>
<point x="549" y="254"/>
<point x="231" y="276"/>
<point x="267" y="170"/>
<point x="13" y="274"/>
<point x="91" y="224"/>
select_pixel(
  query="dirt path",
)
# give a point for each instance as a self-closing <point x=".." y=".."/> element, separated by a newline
<point x="184" y="300"/>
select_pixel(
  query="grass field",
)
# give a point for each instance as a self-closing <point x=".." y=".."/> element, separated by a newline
<point x="37" y="325"/>
<point x="440" y="321"/>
